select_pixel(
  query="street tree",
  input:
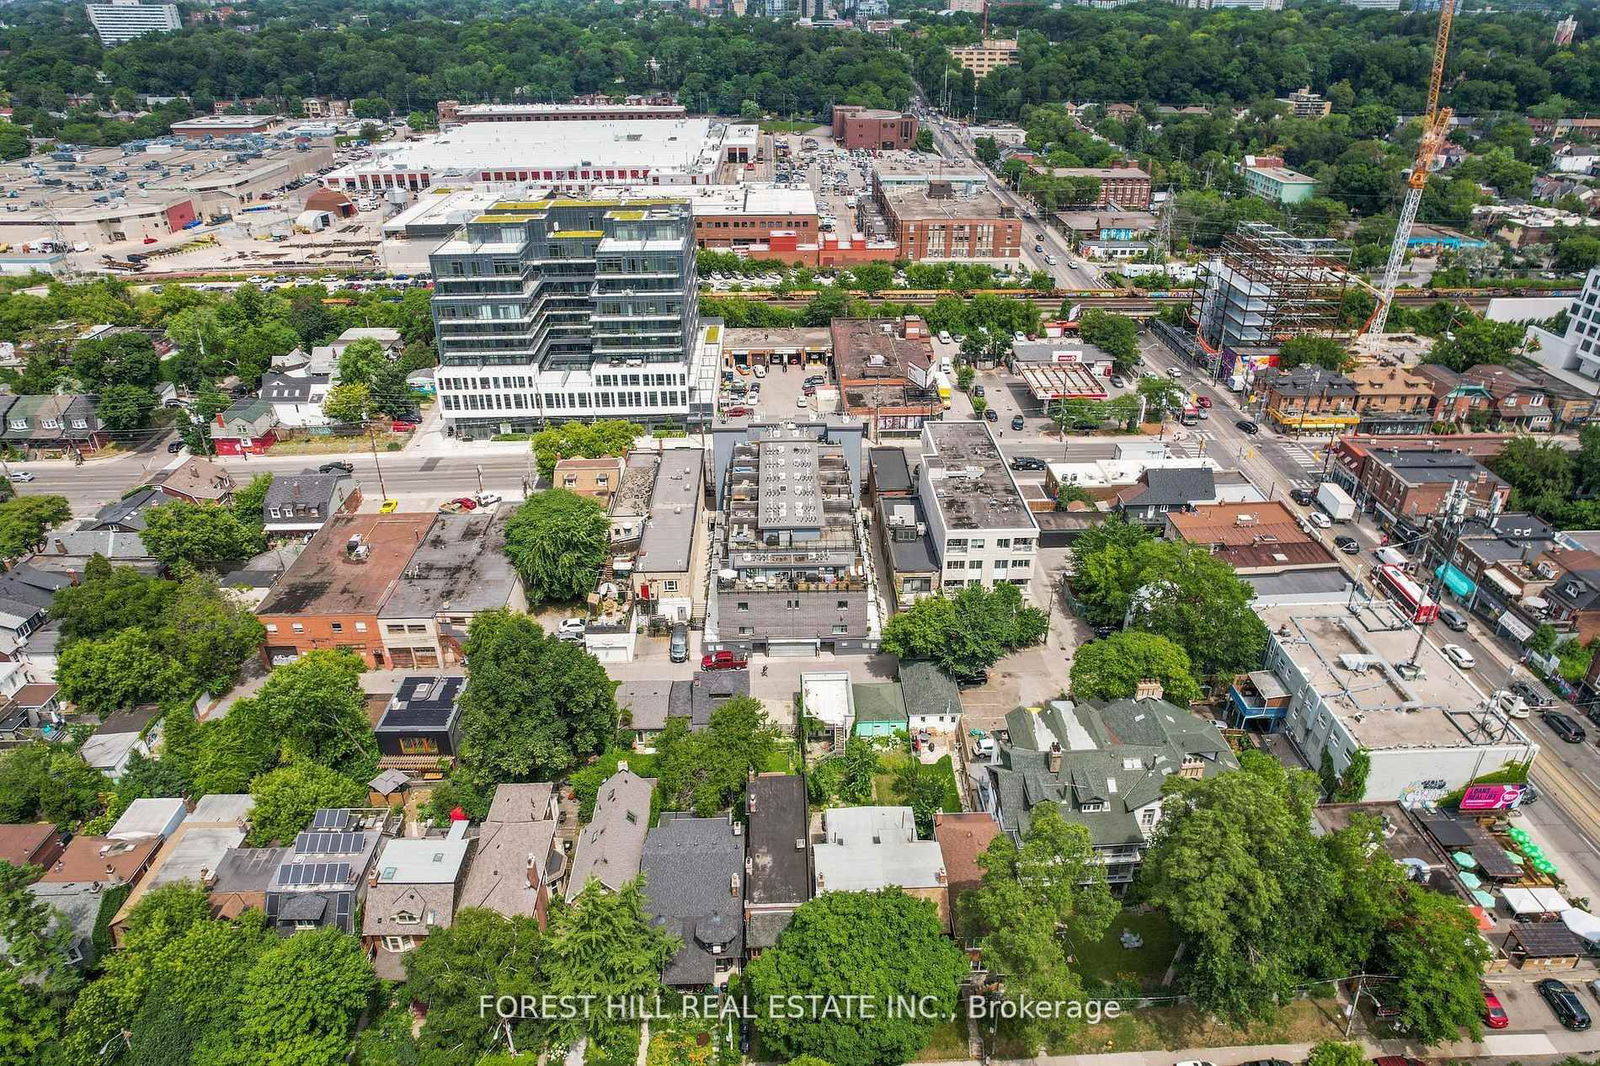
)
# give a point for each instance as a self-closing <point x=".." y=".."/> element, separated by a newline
<point x="583" y="440"/>
<point x="1114" y="334"/>
<point x="286" y="798"/>
<point x="24" y="520"/>
<point x="875" y="945"/>
<point x="534" y="706"/>
<point x="557" y="541"/>
<point x="348" y="403"/>
<point x="1435" y="951"/>
<point x="198" y="534"/>
<point x="1112" y="668"/>
<point x="1337" y="1053"/>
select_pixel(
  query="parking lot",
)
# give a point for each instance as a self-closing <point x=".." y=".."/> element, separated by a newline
<point x="838" y="177"/>
<point x="774" y="393"/>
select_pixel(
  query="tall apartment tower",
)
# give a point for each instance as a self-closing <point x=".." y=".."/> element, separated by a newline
<point x="123" y="20"/>
<point x="555" y="310"/>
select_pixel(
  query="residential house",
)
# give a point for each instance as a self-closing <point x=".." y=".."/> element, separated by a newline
<point x="1102" y="766"/>
<point x="1573" y="402"/>
<point x="1455" y="399"/>
<point x="323" y="878"/>
<point x="869" y="849"/>
<point x="88" y="859"/>
<point x="52" y="425"/>
<point x="963" y="837"/>
<point x="1574" y="596"/>
<point x="421" y="727"/>
<point x="458" y="570"/>
<point x="1309" y="399"/>
<point x="630" y="503"/>
<point x="979" y="525"/>
<point x="76" y="906"/>
<point x="611" y="845"/>
<point x="331" y="595"/>
<point x="694" y="889"/>
<point x="668" y="574"/>
<point x="1391" y="399"/>
<point x="297" y="505"/>
<point x="198" y="481"/>
<point x="1253" y="538"/>
<point x="412" y="893"/>
<point x="1518" y="404"/>
<point x="193" y="850"/>
<point x="598" y="479"/>
<point x="26" y="592"/>
<point x="1163" y="490"/>
<point x="933" y="700"/>
<point x="114" y="742"/>
<point x="248" y="427"/>
<point x="149" y="818"/>
<point x="908" y="554"/>
<point x="645" y="705"/>
<point x="778" y="871"/>
<point x="30" y="844"/>
<point x="242" y="878"/>
<point x="297" y="397"/>
<point x="126" y="515"/>
<point x="518" y="856"/>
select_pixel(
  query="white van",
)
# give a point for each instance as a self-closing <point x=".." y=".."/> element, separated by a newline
<point x="944" y="338"/>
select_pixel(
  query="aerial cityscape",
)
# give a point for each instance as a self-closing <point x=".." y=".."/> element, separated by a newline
<point x="817" y="532"/>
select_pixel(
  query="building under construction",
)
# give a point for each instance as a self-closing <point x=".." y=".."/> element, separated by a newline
<point x="1268" y="286"/>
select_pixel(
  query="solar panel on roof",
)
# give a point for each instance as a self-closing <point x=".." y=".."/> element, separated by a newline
<point x="299" y="875"/>
<point x="331" y="818"/>
<point x="329" y="843"/>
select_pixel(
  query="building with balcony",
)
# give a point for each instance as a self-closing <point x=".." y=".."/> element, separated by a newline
<point x="790" y="565"/>
<point x="123" y="20"/>
<point x="566" y="309"/>
<point x="1518" y="403"/>
<point x="987" y="56"/>
<point x="979" y="526"/>
<point x="1391" y="399"/>
<point x="421" y="727"/>
<point x="1309" y="399"/>
<point x="1102" y="765"/>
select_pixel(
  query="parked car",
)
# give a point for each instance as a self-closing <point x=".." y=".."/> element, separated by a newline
<point x="571" y="629"/>
<point x="389" y="506"/>
<point x="1248" y="427"/>
<point x="488" y="499"/>
<point x="1512" y="705"/>
<point x="1452" y="619"/>
<point x="1494" y="1015"/>
<point x="678" y="644"/>
<point x="1028" y="462"/>
<point x="977" y="390"/>
<point x="724" y="660"/>
<point x="1348" y="545"/>
<point x="760" y="371"/>
<point x="800" y="401"/>
<point x="1534" y="693"/>
<point x="1203" y="402"/>
<point x="336" y="468"/>
<point x="1564" y="1004"/>
<point x="991" y="415"/>
<point x="1564" y="727"/>
<point x="466" y="503"/>
<point x="1304" y="497"/>
<point x="1459" y="655"/>
<point x="1017" y="422"/>
<point x="737" y="412"/>
<point x="1320" y="520"/>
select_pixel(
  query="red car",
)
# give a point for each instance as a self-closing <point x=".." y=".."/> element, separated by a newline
<point x="1494" y="1015"/>
<point x="723" y="660"/>
<point x="738" y="412"/>
<point x="466" y="503"/>
<point x="1203" y="401"/>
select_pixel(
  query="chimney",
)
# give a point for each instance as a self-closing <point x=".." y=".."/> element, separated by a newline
<point x="733" y="885"/>
<point x="111" y="875"/>
<point x="1148" y="688"/>
<point x="61" y="547"/>
<point x="1054" y="760"/>
<point x="533" y="870"/>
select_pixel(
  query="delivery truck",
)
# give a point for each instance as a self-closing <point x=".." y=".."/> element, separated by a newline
<point x="1336" y="502"/>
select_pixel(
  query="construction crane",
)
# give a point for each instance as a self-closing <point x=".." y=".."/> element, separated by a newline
<point x="1435" y="125"/>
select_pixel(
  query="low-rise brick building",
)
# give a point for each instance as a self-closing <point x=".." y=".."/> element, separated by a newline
<point x="872" y="129"/>
<point x="932" y="222"/>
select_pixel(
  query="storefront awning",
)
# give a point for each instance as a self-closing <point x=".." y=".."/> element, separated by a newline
<point x="1458" y="583"/>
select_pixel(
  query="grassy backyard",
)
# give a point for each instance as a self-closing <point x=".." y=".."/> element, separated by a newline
<point x="1183" y="1026"/>
<point x="1106" y="963"/>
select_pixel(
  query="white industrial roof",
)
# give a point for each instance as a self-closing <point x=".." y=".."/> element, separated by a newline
<point x="662" y="145"/>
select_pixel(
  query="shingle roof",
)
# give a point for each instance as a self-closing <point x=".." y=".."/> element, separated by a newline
<point x="879" y="702"/>
<point x="927" y="690"/>
<point x="694" y="887"/>
<point x="1171" y="487"/>
<point x="609" y="847"/>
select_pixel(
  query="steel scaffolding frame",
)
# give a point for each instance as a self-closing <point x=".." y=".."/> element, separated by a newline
<point x="1269" y="285"/>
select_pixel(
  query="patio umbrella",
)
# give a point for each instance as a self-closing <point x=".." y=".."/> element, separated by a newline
<point x="1545" y="866"/>
<point x="1484" y="898"/>
<point x="1464" y="859"/>
<point x="1515" y="856"/>
<point x="1471" y="880"/>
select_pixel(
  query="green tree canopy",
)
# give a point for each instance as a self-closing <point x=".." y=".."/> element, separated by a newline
<point x="1312" y="350"/>
<point x="705" y="772"/>
<point x="1114" y="334"/>
<point x="287" y="797"/>
<point x="585" y="440"/>
<point x="480" y="950"/>
<point x="557" y="541"/>
<point x="197" y="534"/>
<point x="876" y="945"/>
<point x="534" y="705"/>
<point x="1112" y="668"/>
<point x="24" y="520"/>
<point x="603" y="945"/>
<point x="967" y="633"/>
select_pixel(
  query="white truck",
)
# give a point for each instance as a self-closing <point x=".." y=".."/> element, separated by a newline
<point x="1336" y="502"/>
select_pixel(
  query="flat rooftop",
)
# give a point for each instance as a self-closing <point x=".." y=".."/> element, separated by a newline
<point x="688" y="146"/>
<point x="902" y="165"/>
<point x="972" y="485"/>
<point x="753" y="198"/>
<point x="349" y="567"/>
<point x="460" y="566"/>
<point x="1350" y="659"/>
<point x="668" y="540"/>
<point x="491" y="110"/>
<point x="916" y="202"/>
<point x="1284" y="175"/>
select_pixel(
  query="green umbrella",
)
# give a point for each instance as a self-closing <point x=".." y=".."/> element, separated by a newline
<point x="1464" y="859"/>
<point x="1515" y="856"/>
<point x="1485" y="898"/>
<point x="1471" y="880"/>
<point x="1518" y="834"/>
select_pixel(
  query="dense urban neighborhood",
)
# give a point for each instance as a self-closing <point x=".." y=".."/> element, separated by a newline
<point x="837" y="533"/>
